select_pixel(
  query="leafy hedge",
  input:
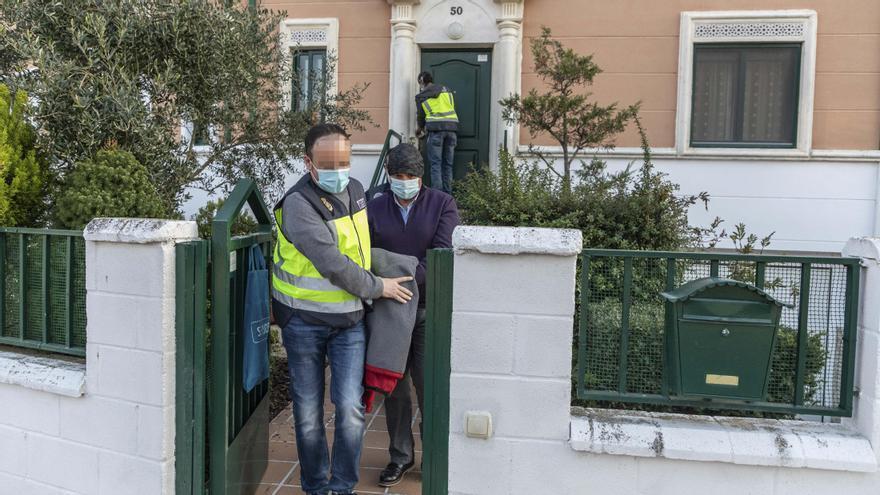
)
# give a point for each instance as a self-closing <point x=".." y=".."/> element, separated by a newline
<point x="637" y="208"/>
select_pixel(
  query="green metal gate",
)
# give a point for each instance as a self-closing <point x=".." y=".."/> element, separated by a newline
<point x="438" y="339"/>
<point x="222" y="432"/>
<point x="222" y="440"/>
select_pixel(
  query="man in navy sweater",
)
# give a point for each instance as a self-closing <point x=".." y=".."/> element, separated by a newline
<point x="407" y="218"/>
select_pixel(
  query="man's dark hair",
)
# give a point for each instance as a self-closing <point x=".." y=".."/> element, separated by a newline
<point x="405" y="159"/>
<point x="426" y="78"/>
<point x="322" y="130"/>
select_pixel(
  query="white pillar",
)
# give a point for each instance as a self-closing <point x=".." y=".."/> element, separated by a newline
<point x="866" y="406"/>
<point x="130" y="352"/>
<point x="403" y="67"/>
<point x="506" y="75"/>
<point x="513" y="312"/>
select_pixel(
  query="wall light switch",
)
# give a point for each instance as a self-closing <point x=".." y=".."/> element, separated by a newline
<point x="478" y="424"/>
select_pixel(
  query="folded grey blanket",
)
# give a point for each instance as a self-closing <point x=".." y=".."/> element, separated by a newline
<point x="390" y="324"/>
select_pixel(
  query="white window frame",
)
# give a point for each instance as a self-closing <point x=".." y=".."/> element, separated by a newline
<point x="186" y="135"/>
<point x="773" y="26"/>
<point x="309" y="33"/>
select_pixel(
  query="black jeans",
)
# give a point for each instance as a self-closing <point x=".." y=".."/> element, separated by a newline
<point x="398" y="405"/>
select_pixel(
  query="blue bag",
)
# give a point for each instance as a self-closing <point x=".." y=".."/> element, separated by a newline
<point x="256" y="321"/>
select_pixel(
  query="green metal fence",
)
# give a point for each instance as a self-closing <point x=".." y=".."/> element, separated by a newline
<point x="622" y="342"/>
<point x="43" y="293"/>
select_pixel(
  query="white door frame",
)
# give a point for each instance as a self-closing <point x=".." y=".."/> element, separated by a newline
<point x="455" y="24"/>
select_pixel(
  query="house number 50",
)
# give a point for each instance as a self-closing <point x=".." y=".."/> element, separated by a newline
<point x="456" y="10"/>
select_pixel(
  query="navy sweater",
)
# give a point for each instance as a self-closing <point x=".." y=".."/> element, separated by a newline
<point x="432" y="218"/>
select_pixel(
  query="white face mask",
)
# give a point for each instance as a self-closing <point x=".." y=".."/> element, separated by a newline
<point x="405" y="189"/>
<point x="333" y="181"/>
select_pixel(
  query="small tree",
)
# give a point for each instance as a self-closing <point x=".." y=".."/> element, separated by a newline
<point x="23" y="173"/>
<point x="565" y="112"/>
<point x="113" y="184"/>
<point x="132" y="72"/>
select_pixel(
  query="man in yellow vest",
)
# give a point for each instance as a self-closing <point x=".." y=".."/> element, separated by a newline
<point x="437" y="118"/>
<point x="321" y="275"/>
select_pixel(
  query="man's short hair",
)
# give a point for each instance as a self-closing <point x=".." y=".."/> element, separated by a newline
<point x="426" y="78"/>
<point x="322" y="130"/>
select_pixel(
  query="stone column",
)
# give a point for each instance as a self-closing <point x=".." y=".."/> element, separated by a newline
<point x="507" y="76"/>
<point x="403" y="67"/>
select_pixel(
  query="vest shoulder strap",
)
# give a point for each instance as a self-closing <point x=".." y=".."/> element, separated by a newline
<point x="326" y="204"/>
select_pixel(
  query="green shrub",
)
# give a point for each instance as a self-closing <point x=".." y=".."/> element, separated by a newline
<point x="243" y="224"/>
<point x="112" y="184"/>
<point x="633" y="209"/>
<point x="23" y="173"/>
<point x="645" y="358"/>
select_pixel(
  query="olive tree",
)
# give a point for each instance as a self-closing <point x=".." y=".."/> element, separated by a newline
<point x="131" y="72"/>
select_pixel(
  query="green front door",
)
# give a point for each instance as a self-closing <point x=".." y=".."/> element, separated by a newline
<point x="469" y="75"/>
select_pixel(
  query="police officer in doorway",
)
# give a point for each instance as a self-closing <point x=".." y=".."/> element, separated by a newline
<point x="439" y="122"/>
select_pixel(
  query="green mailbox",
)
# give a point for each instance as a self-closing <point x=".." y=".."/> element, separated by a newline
<point x="721" y="339"/>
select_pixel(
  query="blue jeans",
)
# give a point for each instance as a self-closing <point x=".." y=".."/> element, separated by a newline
<point x="441" y="153"/>
<point x="307" y="345"/>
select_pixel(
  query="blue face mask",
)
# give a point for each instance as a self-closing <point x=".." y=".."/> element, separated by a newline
<point x="405" y="189"/>
<point x="333" y="181"/>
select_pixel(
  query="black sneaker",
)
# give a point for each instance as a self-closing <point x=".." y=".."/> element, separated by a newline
<point x="393" y="474"/>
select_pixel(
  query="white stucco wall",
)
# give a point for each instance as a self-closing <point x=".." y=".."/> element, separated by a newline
<point x="513" y="305"/>
<point x="106" y="427"/>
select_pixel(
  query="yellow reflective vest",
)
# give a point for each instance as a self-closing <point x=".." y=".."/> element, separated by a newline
<point x="440" y="108"/>
<point x="296" y="282"/>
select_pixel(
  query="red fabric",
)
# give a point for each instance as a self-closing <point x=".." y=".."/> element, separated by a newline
<point x="378" y="380"/>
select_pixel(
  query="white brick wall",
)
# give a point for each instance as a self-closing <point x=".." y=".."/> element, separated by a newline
<point x="117" y="438"/>
<point x="511" y="356"/>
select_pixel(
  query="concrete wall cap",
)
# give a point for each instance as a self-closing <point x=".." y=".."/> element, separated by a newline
<point x="517" y="240"/>
<point x="862" y="247"/>
<point x="140" y="230"/>
<point x="745" y="441"/>
<point x="57" y="376"/>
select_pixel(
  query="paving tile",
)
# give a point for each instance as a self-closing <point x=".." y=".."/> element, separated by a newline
<point x="376" y="439"/>
<point x="411" y="485"/>
<point x="369" y="479"/>
<point x="260" y="489"/>
<point x="374" y="457"/>
<point x="276" y="472"/>
<point x="379" y="425"/>
<point x="293" y="477"/>
<point x="283" y="451"/>
<point x="283" y="417"/>
<point x="279" y="433"/>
